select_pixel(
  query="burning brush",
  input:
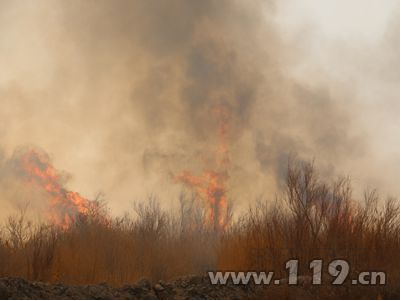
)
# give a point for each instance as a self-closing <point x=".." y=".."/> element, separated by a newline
<point x="65" y="206"/>
<point x="211" y="185"/>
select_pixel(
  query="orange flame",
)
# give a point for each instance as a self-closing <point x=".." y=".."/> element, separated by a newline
<point x="211" y="185"/>
<point x="65" y="206"/>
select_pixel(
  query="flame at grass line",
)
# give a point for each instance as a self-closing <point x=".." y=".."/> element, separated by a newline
<point x="65" y="205"/>
<point x="211" y="185"/>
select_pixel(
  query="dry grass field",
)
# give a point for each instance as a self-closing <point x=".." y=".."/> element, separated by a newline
<point x="311" y="219"/>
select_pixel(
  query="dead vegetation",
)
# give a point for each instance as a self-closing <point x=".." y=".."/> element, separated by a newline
<point x="312" y="219"/>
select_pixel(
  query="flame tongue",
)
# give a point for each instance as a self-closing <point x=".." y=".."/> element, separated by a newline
<point x="210" y="186"/>
<point x="65" y="205"/>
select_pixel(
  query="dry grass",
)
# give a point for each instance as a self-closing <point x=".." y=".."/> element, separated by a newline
<point x="312" y="219"/>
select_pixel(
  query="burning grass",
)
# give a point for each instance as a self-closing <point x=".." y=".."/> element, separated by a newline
<point x="311" y="219"/>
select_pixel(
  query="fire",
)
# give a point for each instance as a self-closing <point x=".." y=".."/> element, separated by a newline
<point x="65" y="205"/>
<point x="211" y="185"/>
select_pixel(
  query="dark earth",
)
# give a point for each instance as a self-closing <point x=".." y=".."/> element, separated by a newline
<point x="189" y="287"/>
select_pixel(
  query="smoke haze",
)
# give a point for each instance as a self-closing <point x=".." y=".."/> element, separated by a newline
<point x="121" y="95"/>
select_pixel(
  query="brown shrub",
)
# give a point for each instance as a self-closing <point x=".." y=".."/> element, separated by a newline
<point x="311" y="219"/>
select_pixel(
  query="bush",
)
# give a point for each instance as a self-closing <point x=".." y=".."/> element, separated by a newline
<point x="310" y="219"/>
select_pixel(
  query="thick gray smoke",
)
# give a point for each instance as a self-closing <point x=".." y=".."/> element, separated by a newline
<point x="122" y="93"/>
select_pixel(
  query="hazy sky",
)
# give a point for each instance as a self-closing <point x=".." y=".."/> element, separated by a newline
<point x="119" y="93"/>
<point x="356" y="43"/>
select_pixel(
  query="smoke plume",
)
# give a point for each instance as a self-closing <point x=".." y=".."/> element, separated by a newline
<point x="122" y="93"/>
